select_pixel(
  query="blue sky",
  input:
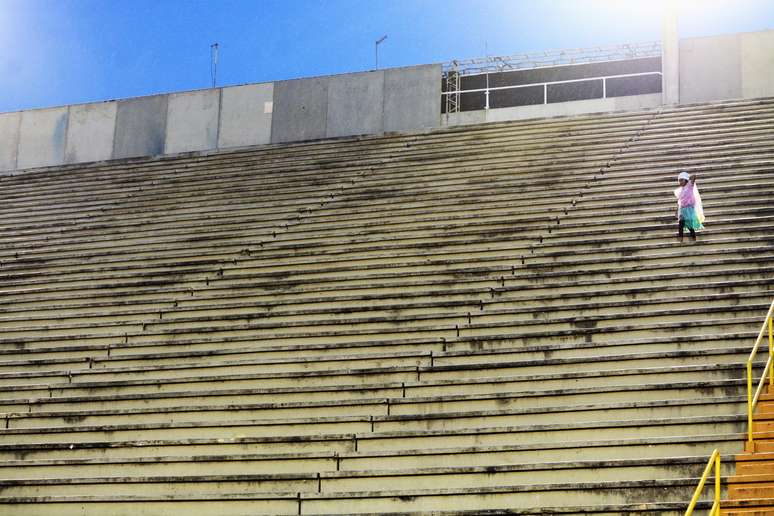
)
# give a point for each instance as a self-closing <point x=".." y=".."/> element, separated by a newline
<point x="57" y="52"/>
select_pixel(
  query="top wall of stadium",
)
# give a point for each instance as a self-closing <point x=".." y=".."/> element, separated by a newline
<point x="536" y="85"/>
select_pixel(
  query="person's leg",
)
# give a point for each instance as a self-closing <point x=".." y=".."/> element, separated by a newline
<point x="680" y="229"/>
<point x="693" y="234"/>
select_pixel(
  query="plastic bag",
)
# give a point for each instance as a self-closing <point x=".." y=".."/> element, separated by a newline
<point x="698" y="208"/>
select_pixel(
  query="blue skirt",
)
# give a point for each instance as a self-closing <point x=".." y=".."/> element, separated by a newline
<point x="688" y="218"/>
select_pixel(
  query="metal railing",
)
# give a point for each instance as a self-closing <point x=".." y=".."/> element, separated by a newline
<point x="714" y="460"/>
<point x="545" y="86"/>
<point x="752" y="400"/>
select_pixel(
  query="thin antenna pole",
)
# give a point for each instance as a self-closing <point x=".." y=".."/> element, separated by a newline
<point x="214" y="63"/>
<point x="376" y="50"/>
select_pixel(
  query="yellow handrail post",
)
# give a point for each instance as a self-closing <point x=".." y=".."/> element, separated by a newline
<point x="714" y="460"/>
<point x="716" y="505"/>
<point x="749" y="405"/>
<point x="771" y="351"/>
<point x="752" y="400"/>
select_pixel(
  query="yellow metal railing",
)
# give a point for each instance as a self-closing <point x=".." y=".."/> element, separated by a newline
<point x="752" y="400"/>
<point x="713" y="461"/>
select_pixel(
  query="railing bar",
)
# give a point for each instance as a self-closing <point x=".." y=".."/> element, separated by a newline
<point x="712" y="461"/>
<point x="749" y="403"/>
<point x="761" y="333"/>
<point x="771" y="351"/>
<point x="717" y="481"/>
<point x="534" y="84"/>
<point x="761" y="384"/>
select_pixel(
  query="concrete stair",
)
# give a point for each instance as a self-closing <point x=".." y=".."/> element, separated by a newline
<point x="490" y="319"/>
<point x="751" y="488"/>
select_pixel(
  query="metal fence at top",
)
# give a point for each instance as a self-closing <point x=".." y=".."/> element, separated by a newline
<point x="549" y="58"/>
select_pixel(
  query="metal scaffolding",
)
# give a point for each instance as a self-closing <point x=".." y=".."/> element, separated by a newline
<point x="550" y="58"/>
<point x="452" y="97"/>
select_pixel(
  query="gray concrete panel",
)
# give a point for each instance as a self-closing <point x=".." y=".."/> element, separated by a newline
<point x="9" y="140"/>
<point x="300" y="110"/>
<point x="90" y="132"/>
<point x="412" y="98"/>
<point x="670" y="56"/>
<point x="42" y="137"/>
<point x="710" y="69"/>
<point x="245" y="115"/>
<point x="464" y="118"/>
<point x="140" y="127"/>
<point x="192" y="121"/>
<point x="757" y="49"/>
<point x="355" y="104"/>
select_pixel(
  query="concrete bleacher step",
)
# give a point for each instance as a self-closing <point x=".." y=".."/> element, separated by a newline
<point x="257" y="437"/>
<point x="355" y="481"/>
<point x="396" y="393"/>
<point x="412" y="380"/>
<point x="520" y="263"/>
<point x="494" y="311"/>
<point x="463" y="363"/>
<point x="77" y="355"/>
<point x="457" y="296"/>
<point x="410" y="417"/>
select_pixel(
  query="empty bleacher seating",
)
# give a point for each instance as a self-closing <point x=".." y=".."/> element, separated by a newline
<point x="484" y="318"/>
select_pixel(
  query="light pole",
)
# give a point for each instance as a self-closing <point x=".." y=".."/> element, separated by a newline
<point x="214" y="63"/>
<point x="376" y="49"/>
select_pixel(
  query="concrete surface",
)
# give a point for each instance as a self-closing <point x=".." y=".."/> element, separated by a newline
<point x="90" y="132"/>
<point x="42" y="135"/>
<point x="355" y="104"/>
<point x="140" y="127"/>
<point x="245" y="115"/>
<point x="300" y="110"/>
<point x="192" y="121"/>
<point x="670" y="57"/>
<point x="9" y="139"/>
<point x="578" y="107"/>
<point x="757" y="51"/>
<point x="710" y="69"/>
<point x="412" y="98"/>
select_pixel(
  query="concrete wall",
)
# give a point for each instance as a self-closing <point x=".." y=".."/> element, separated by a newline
<point x="42" y="137"/>
<point x="300" y="110"/>
<point x="90" y="132"/>
<point x="757" y="50"/>
<point x="710" y="69"/>
<point x="421" y="109"/>
<point x="727" y="67"/>
<point x="9" y="139"/>
<point x="192" y="121"/>
<point x="245" y="115"/>
<point x="402" y="99"/>
<point x="355" y="104"/>
<point x="141" y="126"/>
<point x="670" y="56"/>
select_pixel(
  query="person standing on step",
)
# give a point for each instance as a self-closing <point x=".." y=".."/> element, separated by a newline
<point x="690" y="213"/>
